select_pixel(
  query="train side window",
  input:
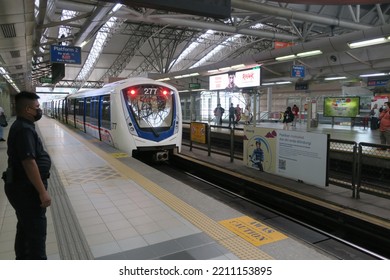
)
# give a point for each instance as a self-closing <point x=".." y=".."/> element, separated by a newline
<point x="106" y="112"/>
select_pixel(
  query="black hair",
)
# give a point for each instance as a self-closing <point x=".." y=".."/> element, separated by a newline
<point x="26" y="95"/>
<point x="23" y="99"/>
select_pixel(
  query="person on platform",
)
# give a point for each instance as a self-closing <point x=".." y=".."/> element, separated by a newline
<point x="295" y="110"/>
<point x="232" y="114"/>
<point x="26" y="179"/>
<point x="374" y="113"/>
<point x="218" y="114"/>
<point x="238" y="113"/>
<point x="288" y="117"/>
<point x="384" y="127"/>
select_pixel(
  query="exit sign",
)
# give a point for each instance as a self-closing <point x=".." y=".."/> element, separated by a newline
<point x="194" y="86"/>
<point x="45" y="80"/>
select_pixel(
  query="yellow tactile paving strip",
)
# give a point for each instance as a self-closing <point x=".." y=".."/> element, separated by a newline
<point x="235" y="244"/>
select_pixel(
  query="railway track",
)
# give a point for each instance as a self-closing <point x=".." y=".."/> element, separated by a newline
<point x="327" y="229"/>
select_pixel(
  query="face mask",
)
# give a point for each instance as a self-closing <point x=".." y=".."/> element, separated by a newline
<point x="38" y="115"/>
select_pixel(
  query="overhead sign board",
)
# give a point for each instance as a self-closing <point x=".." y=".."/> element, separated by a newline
<point x="65" y="54"/>
<point x="240" y="79"/>
<point x="298" y="71"/>
<point x="194" y="85"/>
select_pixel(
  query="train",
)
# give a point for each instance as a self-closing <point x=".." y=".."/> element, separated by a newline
<point x="139" y="116"/>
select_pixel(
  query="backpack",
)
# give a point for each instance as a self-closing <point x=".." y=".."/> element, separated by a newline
<point x="372" y="112"/>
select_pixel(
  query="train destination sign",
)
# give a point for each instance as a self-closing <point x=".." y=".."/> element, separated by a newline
<point x="65" y="54"/>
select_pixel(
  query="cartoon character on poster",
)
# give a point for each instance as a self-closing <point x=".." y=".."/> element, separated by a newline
<point x="260" y="153"/>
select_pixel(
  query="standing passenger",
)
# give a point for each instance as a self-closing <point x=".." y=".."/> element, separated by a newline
<point x="288" y="117"/>
<point x="232" y="112"/>
<point x="374" y="117"/>
<point x="295" y="111"/>
<point x="238" y="113"/>
<point x="26" y="179"/>
<point x="384" y="127"/>
<point x="218" y="113"/>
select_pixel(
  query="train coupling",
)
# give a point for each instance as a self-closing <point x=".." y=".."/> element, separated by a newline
<point x="161" y="156"/>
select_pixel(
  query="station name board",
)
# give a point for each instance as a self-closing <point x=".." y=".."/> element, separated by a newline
<point x="65" y="54"/>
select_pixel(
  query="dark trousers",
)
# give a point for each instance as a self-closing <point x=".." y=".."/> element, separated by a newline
<point x="231" y="120"/>
<point x="30" y="240"/>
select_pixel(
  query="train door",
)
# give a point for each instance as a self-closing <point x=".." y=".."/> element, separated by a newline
<point x="105" y="119"/>
<point x="79" y="111"/>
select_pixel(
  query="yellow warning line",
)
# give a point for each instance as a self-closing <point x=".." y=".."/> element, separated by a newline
<point x="235" y="244"/>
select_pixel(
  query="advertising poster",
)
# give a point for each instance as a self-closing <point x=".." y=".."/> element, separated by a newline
<point x="293" y="154"/>
<point x="341" y="106"/>
<point x="235" y="80"/>
<point x="260" y="148"/>
<point x="302" y="156"/>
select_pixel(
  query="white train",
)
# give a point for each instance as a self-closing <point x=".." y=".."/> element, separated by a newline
<point x="136" y="115"/>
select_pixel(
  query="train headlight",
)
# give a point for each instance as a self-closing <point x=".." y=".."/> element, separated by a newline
<point x="131" y="91"/>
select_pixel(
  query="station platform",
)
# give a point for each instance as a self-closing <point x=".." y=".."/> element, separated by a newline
<point x="109" y="206"/>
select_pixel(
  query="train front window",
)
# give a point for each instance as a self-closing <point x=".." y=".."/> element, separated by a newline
<point x="151" y="105"/>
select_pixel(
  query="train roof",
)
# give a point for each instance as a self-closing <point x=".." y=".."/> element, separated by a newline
<point x="112" y="87"/>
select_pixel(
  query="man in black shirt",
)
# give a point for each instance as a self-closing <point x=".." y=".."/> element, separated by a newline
<point x="26" y="179"/>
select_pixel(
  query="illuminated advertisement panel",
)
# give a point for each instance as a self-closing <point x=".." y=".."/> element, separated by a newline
<point x="235" y="80"/>
<point x="347" y="107"/>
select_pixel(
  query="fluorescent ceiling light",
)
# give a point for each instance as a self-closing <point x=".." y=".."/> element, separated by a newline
<point x="212" y="71"/>
<point x="178" y="77"/>
<point x="310" y="53"/>
<point x="283" y="83"/>
<point x="224" y="69"/>
<point x="163" y="79"/>
<point x="374" y="75"/>
<point x="335" y="78"/>
<point x="194" y="74"/>
<point x="366" y="43"/>
<point x="267" y="84"/>
<point x="238" y="66"/>
<point x="287" y="57"/>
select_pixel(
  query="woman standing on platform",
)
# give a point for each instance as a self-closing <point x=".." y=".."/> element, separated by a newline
<point x="384" y="127"/>
<point x="288" y="117"/>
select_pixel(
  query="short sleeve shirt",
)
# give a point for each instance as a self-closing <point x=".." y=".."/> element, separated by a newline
<point x="24" y="143"/>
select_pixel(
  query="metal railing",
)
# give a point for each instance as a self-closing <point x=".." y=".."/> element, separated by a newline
<point x="360" y="167"/>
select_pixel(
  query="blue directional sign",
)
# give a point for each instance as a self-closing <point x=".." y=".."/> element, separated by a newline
<point x="65" y="54"/>
<point x="298" y="71"/>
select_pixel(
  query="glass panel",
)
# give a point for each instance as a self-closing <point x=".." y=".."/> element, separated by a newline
<point x="106" y="112"/>
<point x="151" y="105"/>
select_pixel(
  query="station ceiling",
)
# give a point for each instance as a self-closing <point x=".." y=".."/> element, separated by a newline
<point x="160" y="44"/>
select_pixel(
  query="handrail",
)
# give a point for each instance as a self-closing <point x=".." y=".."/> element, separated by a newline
<point x="355" y="154"/>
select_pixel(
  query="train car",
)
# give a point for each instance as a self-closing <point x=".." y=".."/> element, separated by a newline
<point x="138" y="115"/>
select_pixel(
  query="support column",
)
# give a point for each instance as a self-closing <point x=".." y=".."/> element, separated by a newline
<point x="269" y="101"/>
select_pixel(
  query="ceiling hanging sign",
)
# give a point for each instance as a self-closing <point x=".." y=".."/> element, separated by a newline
<point x="298" y="71"/>
<point x="65" y="54"/>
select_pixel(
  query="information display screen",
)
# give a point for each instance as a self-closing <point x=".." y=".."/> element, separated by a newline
<point x="347" y="106"/>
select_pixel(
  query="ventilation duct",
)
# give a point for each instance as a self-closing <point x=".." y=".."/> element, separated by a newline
<point x="8" y="30"/>
<point x="15" y="54"/>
